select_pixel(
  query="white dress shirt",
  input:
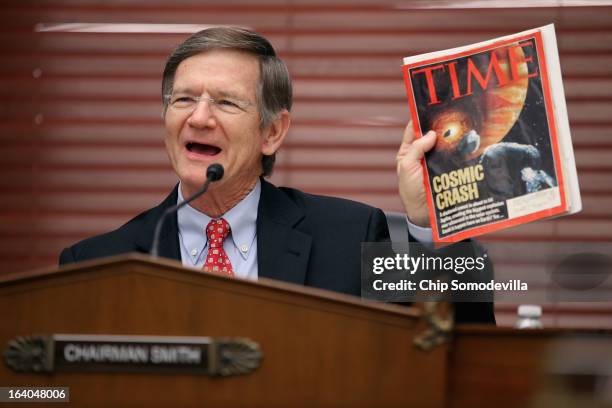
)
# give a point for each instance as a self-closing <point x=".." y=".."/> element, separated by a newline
<point x="241" y="243"/>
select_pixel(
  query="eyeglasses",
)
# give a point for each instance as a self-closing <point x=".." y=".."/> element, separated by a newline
<point x="187" y="104"/>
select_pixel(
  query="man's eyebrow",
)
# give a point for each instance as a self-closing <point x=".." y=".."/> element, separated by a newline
<point x="217" y="93"/>
<point x="181" y="90"/>
<point x="228" y="94"/>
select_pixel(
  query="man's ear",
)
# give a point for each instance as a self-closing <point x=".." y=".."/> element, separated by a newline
<point x="275" y="134"/>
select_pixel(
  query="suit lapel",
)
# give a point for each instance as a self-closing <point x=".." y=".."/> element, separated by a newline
<point x="282" y="250"/>
<point x="168" y="241"/>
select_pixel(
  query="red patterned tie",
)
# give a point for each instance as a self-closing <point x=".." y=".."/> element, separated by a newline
<point x="217" y="260"/>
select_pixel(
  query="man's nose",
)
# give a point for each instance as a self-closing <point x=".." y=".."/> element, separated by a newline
<point x="202" y="115"/>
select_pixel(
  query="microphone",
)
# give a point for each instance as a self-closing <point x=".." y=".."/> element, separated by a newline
<point x="214" y="172"/>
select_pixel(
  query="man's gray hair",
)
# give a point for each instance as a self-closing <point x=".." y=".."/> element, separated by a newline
<point x="274" y="93"/>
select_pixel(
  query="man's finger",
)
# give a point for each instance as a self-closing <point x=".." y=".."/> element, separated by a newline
<point x="422" y="145"/>
<point x="408" y="136"/>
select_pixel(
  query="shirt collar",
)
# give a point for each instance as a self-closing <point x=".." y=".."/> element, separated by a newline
<point x="242" y="219"/>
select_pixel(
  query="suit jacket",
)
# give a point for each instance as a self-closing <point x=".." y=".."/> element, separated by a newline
<point x="301" y="238"/>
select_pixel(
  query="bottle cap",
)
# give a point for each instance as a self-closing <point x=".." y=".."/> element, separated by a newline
<point x="530" y="310"/>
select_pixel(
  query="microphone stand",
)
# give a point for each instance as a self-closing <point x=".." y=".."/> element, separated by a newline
<point x="214" y="172"/>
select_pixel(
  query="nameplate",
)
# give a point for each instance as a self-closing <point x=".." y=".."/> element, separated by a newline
<point x="146" y="354"/>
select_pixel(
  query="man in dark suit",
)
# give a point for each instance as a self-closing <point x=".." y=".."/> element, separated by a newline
<point x="226" y="100"/>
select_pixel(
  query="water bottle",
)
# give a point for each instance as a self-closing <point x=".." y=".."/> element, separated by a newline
<point x="529" y="317"/>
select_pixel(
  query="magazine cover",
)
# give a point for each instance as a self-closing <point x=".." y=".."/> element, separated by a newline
<point x="496" y="162"/>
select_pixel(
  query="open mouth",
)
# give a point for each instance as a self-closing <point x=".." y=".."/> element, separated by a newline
<point x="203" y="149"/>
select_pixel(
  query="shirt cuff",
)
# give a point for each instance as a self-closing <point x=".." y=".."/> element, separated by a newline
<point x="421" y="234"/>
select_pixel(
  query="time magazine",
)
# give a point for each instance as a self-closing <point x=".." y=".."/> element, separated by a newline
<point x="503" y="154"/>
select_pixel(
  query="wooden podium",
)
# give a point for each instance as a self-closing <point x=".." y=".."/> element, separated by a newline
<point x="317" y="348"/>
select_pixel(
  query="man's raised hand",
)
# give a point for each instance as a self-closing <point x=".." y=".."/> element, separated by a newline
<point x="410" y="174"/>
